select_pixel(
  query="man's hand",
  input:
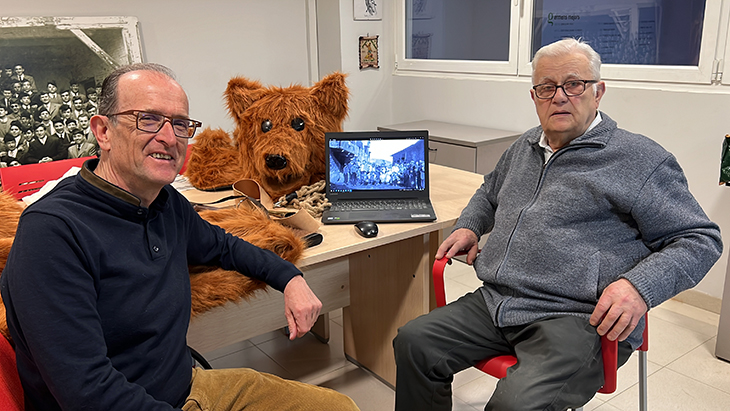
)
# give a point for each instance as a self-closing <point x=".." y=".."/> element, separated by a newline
<point x="618" y="310"/>
<point x="461" y="239"/>
<point x="301" y="307"/>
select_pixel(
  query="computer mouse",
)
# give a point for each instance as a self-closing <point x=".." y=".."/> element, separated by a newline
<point x="367" y="229"/>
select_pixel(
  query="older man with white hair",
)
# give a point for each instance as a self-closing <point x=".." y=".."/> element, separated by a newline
<point x="590" y="226"/>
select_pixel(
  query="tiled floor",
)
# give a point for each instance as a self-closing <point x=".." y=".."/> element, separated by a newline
<point x="684" y="373"/>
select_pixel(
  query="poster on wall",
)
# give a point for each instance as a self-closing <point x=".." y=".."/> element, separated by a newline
<point x="366" y="9"/>
<point x="51" y="64"/>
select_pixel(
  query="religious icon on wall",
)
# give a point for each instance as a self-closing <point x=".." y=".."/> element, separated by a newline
<point x="368" y="52"/>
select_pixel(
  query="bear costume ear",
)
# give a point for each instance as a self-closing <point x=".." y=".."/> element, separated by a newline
<point x="240" y="94"/>
<point x="331" y="95"/>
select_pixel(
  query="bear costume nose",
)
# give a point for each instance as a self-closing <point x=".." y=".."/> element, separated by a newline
<point x="275" y="161"/>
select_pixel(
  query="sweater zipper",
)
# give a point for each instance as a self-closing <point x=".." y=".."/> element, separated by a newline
<point x="543" y="169"/>
<point x="537" y="191"/>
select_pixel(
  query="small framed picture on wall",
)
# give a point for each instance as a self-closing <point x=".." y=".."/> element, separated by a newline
<point x="366" y="9"/>
<point x="369" y="52"/>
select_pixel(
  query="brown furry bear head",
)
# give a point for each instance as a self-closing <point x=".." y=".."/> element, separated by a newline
<point x="280" y="131"/>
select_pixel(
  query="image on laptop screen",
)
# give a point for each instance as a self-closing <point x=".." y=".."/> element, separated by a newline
<point x="377" y="165"/>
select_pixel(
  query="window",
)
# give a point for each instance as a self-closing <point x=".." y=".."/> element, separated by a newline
<point x="449" y="30"/>
<point x="471" y="36"/>
<point x="648" y="40"/>
<point x="652" y="32"/>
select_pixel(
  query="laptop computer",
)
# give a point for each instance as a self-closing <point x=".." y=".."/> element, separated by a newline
<point x="379" y="176"/>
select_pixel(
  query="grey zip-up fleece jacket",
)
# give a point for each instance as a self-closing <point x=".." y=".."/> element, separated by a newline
<point x="609" y="205"/>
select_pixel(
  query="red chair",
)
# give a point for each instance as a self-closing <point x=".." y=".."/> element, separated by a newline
<point x="187" y="159"/>
<point x="11" y="392"/>
<point x="497" y="366"/>
<point x="25" y="180"/>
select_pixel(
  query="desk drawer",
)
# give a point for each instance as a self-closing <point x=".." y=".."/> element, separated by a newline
<point x="452" y="155"/>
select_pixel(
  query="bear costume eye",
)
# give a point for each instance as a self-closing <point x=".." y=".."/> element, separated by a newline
<point x="266" y="126"/>
<point x="297" y="124"/>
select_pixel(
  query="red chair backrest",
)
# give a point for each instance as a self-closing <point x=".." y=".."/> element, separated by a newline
<point x="11" y="391"/>
<point x="25" y="180"/>
<point x="187" y="158"/>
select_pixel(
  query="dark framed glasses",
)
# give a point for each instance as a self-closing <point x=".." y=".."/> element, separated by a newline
<point x="571" y="88"/>
<point x="153" y="122"/>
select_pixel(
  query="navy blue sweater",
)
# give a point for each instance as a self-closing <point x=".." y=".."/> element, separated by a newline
<point x="98" y="294"/>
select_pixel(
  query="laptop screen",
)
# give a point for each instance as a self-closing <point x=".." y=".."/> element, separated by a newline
<point x="362" y="165"/>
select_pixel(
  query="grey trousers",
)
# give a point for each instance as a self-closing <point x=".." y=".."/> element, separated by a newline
<point x="559" y="359"/>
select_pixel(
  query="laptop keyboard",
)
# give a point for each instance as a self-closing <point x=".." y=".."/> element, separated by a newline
<point x="376" y="205"/>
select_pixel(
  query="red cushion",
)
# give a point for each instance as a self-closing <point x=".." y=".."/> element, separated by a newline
<point x="11" y="392"/>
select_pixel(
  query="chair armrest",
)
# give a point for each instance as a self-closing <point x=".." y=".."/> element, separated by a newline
<point x="438" y="278"/>
<point x="609" y="352"/>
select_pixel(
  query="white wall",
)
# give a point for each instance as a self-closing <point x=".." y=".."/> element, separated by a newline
<point x="370" y="89"/>
<point x="205" y="42"/>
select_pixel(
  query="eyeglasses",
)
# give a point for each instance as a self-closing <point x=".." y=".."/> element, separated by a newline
<point x="153" y="122"/>
<point x="571" y="88"/>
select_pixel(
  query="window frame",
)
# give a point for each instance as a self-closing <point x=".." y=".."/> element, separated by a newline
<point x="456" y="66"/>
<point x="520" y="58"/>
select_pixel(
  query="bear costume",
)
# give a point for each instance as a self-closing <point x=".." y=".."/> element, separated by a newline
<point x="279" y="136"/>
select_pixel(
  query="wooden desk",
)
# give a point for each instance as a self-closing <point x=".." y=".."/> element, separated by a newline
<point x="381" y="283"/>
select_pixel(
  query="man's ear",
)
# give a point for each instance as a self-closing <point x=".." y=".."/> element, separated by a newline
<point x="600" y="91"/>
<point x="100" y="127"/>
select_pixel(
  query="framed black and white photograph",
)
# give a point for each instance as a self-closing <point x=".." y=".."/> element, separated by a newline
<point x="366" y="9"/>
<point x="66" y="50"/>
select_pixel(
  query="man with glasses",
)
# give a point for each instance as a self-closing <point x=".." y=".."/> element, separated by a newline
<point x="589" y="226"/>
<point x="96" y="284"/>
